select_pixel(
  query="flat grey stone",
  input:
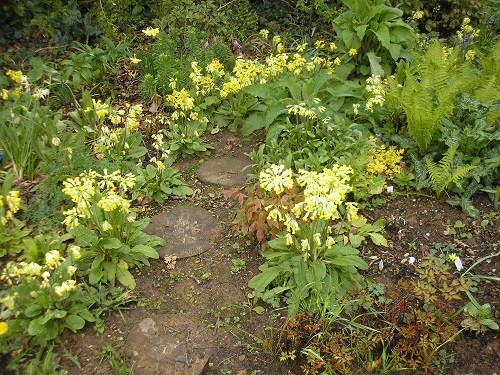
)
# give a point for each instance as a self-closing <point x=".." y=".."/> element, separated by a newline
<point x="168" y="345"/>
<point x="226" y="171"/>
<point x="187" y="231"/>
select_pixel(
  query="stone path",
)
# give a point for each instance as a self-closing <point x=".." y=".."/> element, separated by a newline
<point x="168" y="345"/>
<point x="227" y="171"/>
<point x="187" y="230"/>
<point x="175" y="345"/>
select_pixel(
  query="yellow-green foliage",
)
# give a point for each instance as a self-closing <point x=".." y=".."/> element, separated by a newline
<point x="444" y="173"/>
<point x="487" y="84"/>
<point x="429" y="94"/>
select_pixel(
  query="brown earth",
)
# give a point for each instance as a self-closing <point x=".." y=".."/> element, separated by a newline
<point x="204" y="288"/>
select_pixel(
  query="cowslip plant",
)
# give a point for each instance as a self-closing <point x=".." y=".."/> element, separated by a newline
<point x="102" y="223"/>
<point x="160" y="181"/>
<point x="28" y="132"/>
<point x="308" y="262"/>
<point x="12" y="230"/>
<point x="41" y="299"/>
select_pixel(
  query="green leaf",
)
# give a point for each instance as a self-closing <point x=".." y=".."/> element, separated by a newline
<point x="266" y="277"/>
<point x="376" y="68"/>
<point x="355" y="239"/>
<point x="384" y="36"/>
<point x="125" y="278"/>
<point x="347" y="261"/>
<point x="110" y="243"/>
<point x="259" y="310"/>
<point x="378" y="239"/>
<point x="145" y="250"/>
<point x="74" y="322"/>
<point x="254" y="122"/>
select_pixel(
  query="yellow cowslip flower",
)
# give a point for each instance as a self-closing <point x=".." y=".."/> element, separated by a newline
<point x="418" y="15"/>
<point x="264" y="33"/>
<point x="9" y="300"/>
<point x="53" y="259"/>
<point x="5" y="94"/>
<point x="71" y="218"/>
<point x="66" y="287"/>
<point x="74" y="251"/>
<point x="353" y="52"/>
<point x="71" y="270"/>
<point x="337" y="61"/>
<point x="101" y="109"/>
<point x="301" y="47"/>
<point x="4" y="327"/>
<point x="466" y="21"/>
<point x="106" y="226"/>
<point x="181" y="100"/>
<point x="15" y="76"/>
<point x="159" y="165"/>
<point x="111" y="201"/>
<point x="13" y="201"/>
<point x="149" y="31"/>
<point x="470" y="55"/>
<point x="276" y="39"/>
<point x="216" y="67"/>
<point x="79" y="189"/>
<point x="333" y="46"/>
<point x="134" y="60"/>
<point x="319" y="44"/>
<point x="276" y="178"/>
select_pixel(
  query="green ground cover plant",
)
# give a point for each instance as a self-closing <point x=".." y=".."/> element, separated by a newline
<point x="342" y="123"/>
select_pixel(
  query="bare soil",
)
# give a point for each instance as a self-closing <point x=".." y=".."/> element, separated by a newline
<point x="205" y="289"/>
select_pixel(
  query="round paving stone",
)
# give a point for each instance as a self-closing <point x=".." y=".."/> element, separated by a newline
<point x="187" y="231"/>
<point x="169" y="345"/>
<point x="226" y="171"/>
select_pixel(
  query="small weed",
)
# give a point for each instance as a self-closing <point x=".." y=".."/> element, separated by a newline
<point x="238" y="265"/>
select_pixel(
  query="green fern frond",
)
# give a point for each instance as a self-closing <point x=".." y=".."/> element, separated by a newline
<point x="443" y="173"/>
<point x="428" y="95"/>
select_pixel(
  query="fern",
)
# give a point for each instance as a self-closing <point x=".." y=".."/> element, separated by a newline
<point x="429" y="95"/>
<point x="444" y="173"/>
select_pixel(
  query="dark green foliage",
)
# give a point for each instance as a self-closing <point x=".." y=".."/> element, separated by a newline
<point x="56" y="20"/>
<point x="171" y="56"/>
<point x="443" y="16"/>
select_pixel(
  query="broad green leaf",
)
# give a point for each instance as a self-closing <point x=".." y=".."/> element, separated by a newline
<point x="74" y="322"/>
<point x="110" y="243"/>
<point x="255" y="121"/>
<point x="263" y="279"/>
<point x="347" y="261"/>
<point x="355" y="239"/>
<point x="376" y="68"/>
<point x="378" y="239"/>
<point x="384" y="36"/>
<point x="125" y="278"/>
<point x="145" y="250"/>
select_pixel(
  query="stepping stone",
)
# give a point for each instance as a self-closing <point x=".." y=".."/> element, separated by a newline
<point x="187" y="231"/>
<point x="169" y="345"/>
<point x="226" y="171"/>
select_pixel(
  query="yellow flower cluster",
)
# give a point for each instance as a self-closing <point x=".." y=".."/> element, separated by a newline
<point x="467" y="32"/>
<point x="4" y="328"/>
<point x="19" y="80"/>
<point x="375" y="87"/>
<point x="204" y="84"/>
<point x="106" y="189"/>
<point x="301" y="110"/>
<point x="276" y="178"/>
<point x="323" y="193"/>
<point x="181" y="100"/>
<point x="385" y="161"/>
<point x="247" y="72"/>
<point x="149" y="31"/>
<point x="9" y="205"/>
